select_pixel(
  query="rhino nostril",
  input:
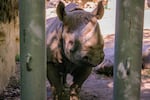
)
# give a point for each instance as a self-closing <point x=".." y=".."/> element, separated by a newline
<point x="71" y="50"/>
<point x="102" y="56"/>
<point x="86" y="58"/>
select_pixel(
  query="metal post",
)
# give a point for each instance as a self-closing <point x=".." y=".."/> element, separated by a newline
<point x="32" y="49"/>
<point x="128" y="49"/>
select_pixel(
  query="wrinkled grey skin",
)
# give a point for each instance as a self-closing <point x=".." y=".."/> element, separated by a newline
<point x="74" y="45"/>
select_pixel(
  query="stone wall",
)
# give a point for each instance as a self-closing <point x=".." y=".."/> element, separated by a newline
<point x="9" y="40"/>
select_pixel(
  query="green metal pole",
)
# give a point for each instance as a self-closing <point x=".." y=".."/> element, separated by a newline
<point x="32" y="49"/>
<point x="128" y="49"/>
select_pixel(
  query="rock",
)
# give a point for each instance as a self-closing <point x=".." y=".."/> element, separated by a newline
<point x="106" y="67"/>
<point x="146" y="59"/>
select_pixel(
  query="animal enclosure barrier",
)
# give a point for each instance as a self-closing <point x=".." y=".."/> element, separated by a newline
<point x="32" y="49"/>
<point x="128" y="49"/>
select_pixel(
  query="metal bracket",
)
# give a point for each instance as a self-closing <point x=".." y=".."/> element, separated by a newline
<point x="28" y="61"/>
<point x="127" y="64"/>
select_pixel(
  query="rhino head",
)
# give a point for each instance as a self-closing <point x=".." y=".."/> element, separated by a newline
<point x="82" y="39"/>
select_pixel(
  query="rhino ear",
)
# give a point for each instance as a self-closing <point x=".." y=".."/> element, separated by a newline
<point x="60" y="10"/>
<point x="99" y="10"/>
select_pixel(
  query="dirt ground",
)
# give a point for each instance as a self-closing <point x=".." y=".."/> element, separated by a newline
<point x="96" y="87"/>
<point x="100" y="87"/>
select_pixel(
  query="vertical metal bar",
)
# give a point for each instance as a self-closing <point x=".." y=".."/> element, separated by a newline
<point x="32" y="49"/>
<point x="128" y="49"/>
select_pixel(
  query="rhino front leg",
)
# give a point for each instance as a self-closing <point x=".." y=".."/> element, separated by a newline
<point x="54" y="79"/>
<point x="79" y="76"/>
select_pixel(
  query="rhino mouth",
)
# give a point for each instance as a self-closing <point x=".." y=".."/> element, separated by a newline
<point x="85" y="61"/>
<point x="90" y="62"/>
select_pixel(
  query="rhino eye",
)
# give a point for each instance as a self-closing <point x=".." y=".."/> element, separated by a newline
<point x="71" y="42"/>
